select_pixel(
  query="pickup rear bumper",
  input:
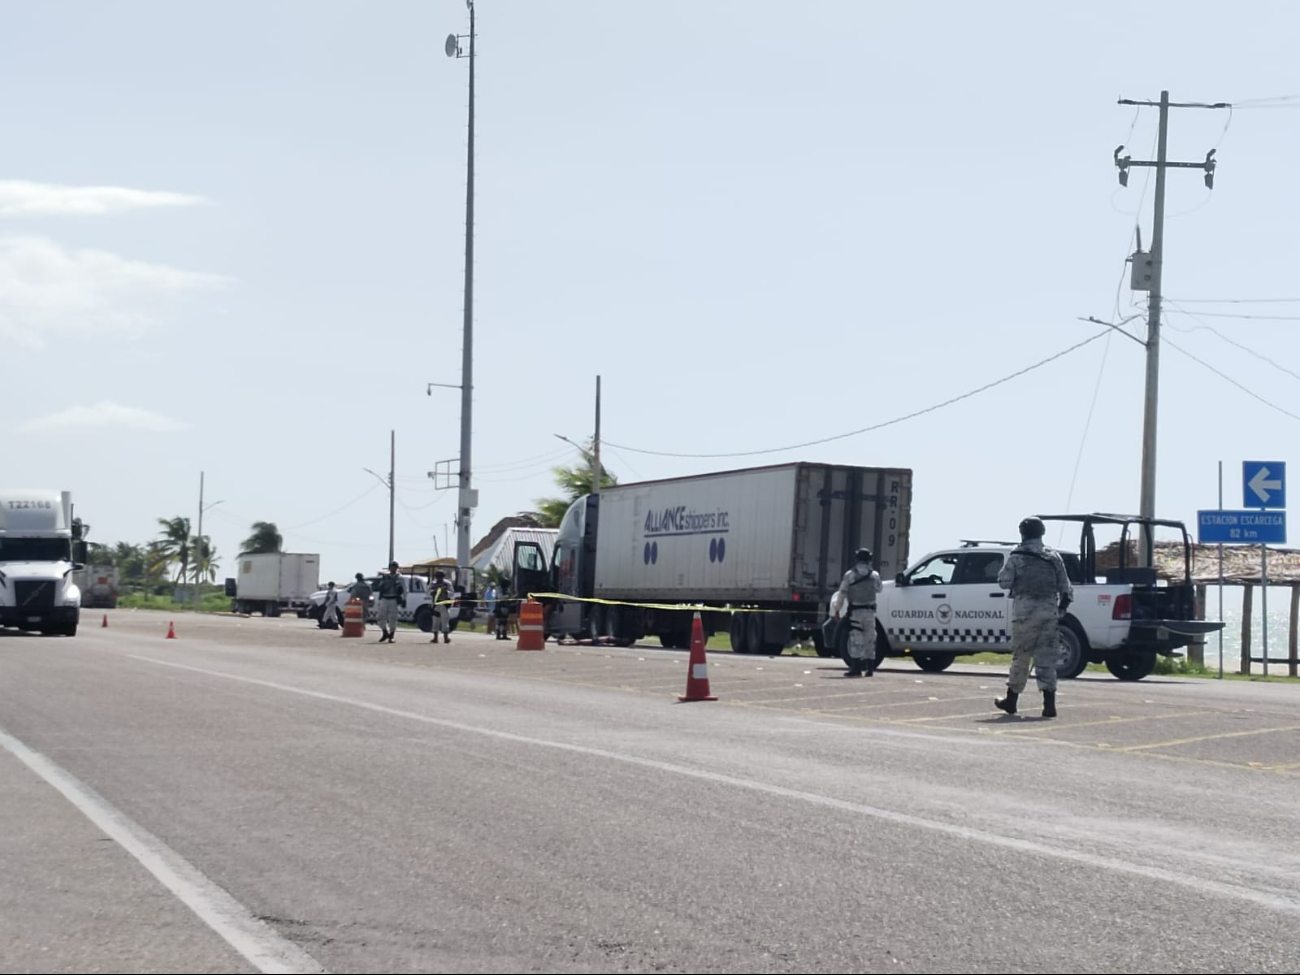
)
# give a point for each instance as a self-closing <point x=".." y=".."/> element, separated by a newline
<point x="1165" y="636"/>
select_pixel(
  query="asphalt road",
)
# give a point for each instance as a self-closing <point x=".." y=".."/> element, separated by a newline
<point x="258" y="795"/>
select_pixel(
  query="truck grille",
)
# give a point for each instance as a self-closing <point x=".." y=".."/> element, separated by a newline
<point x="34" y="595"/>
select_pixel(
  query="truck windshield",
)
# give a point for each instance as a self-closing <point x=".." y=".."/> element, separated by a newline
<point x="35" y="549"/>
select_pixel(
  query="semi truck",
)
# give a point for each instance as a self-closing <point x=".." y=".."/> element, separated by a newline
<point x="272" y="583"/>
<point x="759" y="550"/>
<point x="98" y="585"/>
<point x="41" y="546"/>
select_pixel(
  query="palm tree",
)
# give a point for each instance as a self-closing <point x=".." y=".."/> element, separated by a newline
<point x="174" y="545"/>
<point x="130" y="560"/>
<point x="206" y="561"/>
<point x="265" y="538"/>
<point x="574" y="482"/>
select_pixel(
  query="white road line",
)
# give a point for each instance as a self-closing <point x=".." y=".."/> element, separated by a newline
<point x="1278" y="900"/>
<point x="253" y="939"/>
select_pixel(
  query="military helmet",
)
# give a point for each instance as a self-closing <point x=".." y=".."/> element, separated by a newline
<point x="1032" y="528"/>
<point x="862" y="555"/>
<point x="392" y="565"/>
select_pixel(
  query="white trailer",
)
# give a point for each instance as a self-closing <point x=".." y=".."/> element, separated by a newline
<point x="776" y="539"/>
<point x="274" y="582"/>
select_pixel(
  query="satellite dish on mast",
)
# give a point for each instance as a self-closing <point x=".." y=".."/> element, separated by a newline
<point x="453" y="46"/>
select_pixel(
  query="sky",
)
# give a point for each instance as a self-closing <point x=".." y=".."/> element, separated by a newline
<point x="232" y="242"/>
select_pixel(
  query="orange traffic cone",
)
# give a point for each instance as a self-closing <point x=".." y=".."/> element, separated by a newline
<point x="104" y="624"/>
<point x="171" y="631"/>
<point x="697" y="680"/>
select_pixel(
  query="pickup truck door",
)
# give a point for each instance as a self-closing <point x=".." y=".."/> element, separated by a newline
<point x="919" y="613"/>
<point x="980" y="607"/>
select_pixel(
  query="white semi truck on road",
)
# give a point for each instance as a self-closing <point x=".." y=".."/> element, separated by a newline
<point x="41" y="546"/>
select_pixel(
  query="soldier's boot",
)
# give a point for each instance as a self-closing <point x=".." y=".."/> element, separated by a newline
<point x="855" y="667"/>
<point x="1008" y="703"/>
<point x="1049" y="704"/>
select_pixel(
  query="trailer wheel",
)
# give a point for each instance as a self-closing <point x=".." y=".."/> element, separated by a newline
<point x="755" y="637"/>
<point x="739" y="633"/>
<point x="1131" y="664"/>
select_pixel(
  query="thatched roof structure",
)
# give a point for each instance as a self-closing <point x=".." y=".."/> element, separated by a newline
<point x="1241" y="563"/>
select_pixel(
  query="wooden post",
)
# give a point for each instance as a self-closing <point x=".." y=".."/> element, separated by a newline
<point x="1246" y="600"/>
<point x="1196" y="649"/>
<point x="1295" y="628"/>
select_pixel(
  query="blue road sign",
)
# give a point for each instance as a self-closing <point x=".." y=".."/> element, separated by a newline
<point x="1241" y="527"/>
<point x="1263" y="484"/>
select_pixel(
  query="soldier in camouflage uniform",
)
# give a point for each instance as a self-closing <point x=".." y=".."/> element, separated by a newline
<point x="860" y="586"/>
<point x="1036" y="577"/>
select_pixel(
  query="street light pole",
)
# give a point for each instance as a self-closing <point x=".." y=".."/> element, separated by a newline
<point x="466" y="501"/>
<point x="198" y="544"/>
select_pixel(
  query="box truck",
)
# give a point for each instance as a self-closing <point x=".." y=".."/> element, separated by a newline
<point x="41" y="545"/>
<point x="763" y="548"/>
<point x="274" y="582"/>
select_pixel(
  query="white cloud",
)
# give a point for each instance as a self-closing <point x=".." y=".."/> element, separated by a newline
<point x="104" y="415"/>
<point x="46" y="289"/>
<point x="20" y="198"/>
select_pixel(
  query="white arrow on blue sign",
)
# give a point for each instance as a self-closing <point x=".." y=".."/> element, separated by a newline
<point x="1263" y="484"/>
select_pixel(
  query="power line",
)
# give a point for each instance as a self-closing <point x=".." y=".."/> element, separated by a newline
<point x="1236" y="301"/>
<point x="1224" y="376"/>
<point x="877" y="426"/>
<point x="1087" y="426"/>
<point x="1257" y="318"/>
<point x="1203" y="327"/>
<point x="304" y="524"/>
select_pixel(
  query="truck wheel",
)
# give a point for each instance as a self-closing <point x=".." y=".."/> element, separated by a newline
<point x="739" y="633"/>
<point x="424" y="619"/>
<point x="1131" y="664"/>
<point x="756" y="630"/>
<point x="69" y="629"/>
<point x="1074" y="651"/>
<point x="933" y="663"/>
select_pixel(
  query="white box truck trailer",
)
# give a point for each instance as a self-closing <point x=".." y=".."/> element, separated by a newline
<point x="271" y="583"/>
<point x="776" y="539"/>
<point x="41" y="545"/>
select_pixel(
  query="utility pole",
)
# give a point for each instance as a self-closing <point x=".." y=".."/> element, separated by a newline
<point x="466" y="500"/>
<point x="198" y="543"/>
<point x="392" y="489"/>
<point x="596" y="471"/>
<point x="1152" y="282"/>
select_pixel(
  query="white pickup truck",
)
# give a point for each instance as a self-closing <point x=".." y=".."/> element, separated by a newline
<point x="949" y="604"/>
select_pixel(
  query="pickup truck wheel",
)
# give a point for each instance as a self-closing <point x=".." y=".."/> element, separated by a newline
<point x="739" y="633"/>
<point x="1131" y="664"/>
<point x="424" y="619"/>
<point x="1074" y="651"/>
<point x="933" y="663"/>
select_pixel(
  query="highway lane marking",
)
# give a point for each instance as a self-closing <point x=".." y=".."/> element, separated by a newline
<point x="1215" y="737"/>
<point x="259" y="943"/>
<point x="1273" y="900"/>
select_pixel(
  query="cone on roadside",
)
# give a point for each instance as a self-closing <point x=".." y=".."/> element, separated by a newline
<point x="697" y="678"/>
<point x="104" y="624"/>
<point x="171" y="631"/>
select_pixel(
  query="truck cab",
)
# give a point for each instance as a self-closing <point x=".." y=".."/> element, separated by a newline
<point x="41" y="546"/>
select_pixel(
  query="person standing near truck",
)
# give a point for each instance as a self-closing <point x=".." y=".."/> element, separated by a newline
<point x="392" y="593"/>
<point x="440" y="595"/>
<point x="859" y="587"/>
<point x="1040" y="591"/>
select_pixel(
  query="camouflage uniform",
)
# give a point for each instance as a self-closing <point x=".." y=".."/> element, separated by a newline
<point x="860" y="586"/>
<point x="1035" y="576"/>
